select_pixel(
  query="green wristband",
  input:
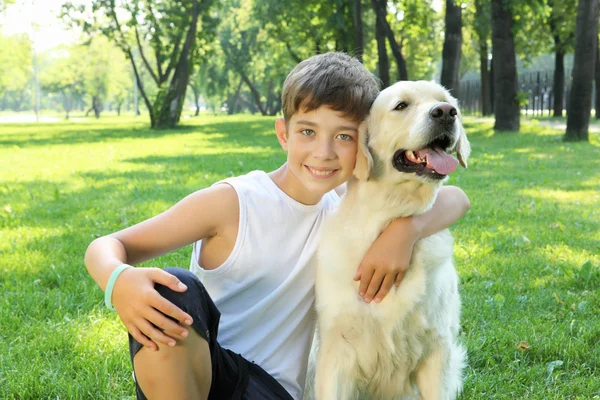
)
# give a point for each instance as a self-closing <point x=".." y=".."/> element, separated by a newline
<point x="111" y="284"/>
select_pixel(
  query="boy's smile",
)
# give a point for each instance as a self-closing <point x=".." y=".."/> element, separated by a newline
<point x="321" y="146"/>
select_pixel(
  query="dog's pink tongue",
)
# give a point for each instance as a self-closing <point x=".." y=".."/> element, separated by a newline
<point x="442" y="162"/>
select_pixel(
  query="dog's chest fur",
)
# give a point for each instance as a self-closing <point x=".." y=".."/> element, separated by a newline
<point x="389" y="338"/>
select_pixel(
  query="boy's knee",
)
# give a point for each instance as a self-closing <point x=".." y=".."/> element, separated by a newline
<point x="186" y="276"/>
<point x="195" y="289"/>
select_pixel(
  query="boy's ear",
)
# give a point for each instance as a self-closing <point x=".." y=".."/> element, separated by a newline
<point x="281" y="131"/>
<point x="364" y="160"/>
<point x="463" y="147"/>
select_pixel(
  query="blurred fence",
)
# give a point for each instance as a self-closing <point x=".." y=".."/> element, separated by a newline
<point x="536" y="86"/>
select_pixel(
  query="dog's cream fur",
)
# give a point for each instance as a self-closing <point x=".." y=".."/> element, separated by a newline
<point x="406" y="346"/>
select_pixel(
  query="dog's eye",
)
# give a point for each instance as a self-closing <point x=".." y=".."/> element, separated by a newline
<point x="401" y="106"/>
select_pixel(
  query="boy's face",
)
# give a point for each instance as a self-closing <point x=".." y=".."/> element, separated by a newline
<point x="321" y="146"/>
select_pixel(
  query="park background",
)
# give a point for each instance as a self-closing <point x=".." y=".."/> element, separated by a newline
<point x="111" y="111"/>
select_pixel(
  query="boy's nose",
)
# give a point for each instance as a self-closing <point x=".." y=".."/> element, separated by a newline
<point x="325" y="150"/>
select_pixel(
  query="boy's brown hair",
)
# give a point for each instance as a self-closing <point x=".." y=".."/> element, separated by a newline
<point x="334" y="79"/>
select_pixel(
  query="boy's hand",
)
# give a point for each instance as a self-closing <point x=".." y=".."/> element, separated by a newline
<point x="387" y="260"/>
<point x="144" y="311"/>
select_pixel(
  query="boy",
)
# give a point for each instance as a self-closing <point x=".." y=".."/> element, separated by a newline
<point x="254" y="240"/>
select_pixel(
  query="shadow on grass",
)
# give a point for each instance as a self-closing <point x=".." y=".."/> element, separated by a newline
<point x="244" y="130"/>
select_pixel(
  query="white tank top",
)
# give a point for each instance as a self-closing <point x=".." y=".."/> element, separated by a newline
<point x="265" y="289"/>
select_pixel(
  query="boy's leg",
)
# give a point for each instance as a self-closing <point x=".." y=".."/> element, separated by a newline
<point x="196" y="367"/>
<point x="180" y="372"/>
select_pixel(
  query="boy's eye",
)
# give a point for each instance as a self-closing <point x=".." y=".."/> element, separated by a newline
<point x="307" y="132"/>
<point x="345" y="137"/>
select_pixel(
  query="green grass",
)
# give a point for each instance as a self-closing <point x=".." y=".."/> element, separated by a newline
<point x="527" y="252"/>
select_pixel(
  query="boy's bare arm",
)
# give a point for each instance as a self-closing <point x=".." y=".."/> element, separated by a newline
<point x="198" y="216"/>
<point x="388" y="258"/>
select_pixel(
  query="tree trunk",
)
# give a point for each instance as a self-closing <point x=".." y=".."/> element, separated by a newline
<point x="170" y="104"/>
<point x="559" y="81"/>
<point x="196" y="93"/>
<point x="255" y="93"/>
<point x="235" y="99"/>
<point x="96" y="106"/>
<point x="506" y="107"/>
<point x="380" y="9"/>
<point x="484" y="71"/>
<point x="580" y="97"/>
<point x="140" y="87"/>
<point x="358" y="29"/>
<point x="67" y="102"/>
<point x="452" y="47"/>
<point x="597" y="78"/>
<point x="384" y="62"/>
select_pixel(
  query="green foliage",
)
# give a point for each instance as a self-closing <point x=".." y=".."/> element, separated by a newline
<point x="4" y="3"/>
<point x="419" y="30"/>
<point x="16" y="62"/>
<point x="169" y="28"/>
<point x="66" y="75"/>
<point x="522" y="98"/>
<point x="477" y="31"/>
<point x="258" y="59"/>
<point x="561" y="22"/>
<point x="95" y="70"/>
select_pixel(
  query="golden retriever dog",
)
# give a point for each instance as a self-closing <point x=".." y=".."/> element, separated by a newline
<point x="406" y="346"/>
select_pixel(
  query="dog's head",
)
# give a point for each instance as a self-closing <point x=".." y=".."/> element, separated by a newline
<point x="410" y="131"/>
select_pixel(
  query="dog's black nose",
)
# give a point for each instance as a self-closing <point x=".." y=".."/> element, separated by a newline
<point x="443" y="112"/>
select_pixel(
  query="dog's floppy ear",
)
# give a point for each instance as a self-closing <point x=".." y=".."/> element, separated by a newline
<point x="463" y="147"/>
<point x="364" y="160"/>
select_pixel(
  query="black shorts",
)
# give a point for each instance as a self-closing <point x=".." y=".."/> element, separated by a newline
<point x="233" y="377"/>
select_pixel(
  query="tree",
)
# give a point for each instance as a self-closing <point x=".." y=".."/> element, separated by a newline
<point x="452" y="46"/>
<point x="481" y="26"/>
<point x="380" y="8"/>
<point x="97" y="74"/>
<point x="65" y="76"/>
<point x="120" y="84"/>
<point x="419" y="28"/>
<point x="562" y="28"/>
<point x="358" y="29"/>
<point x="506" y="106"/>
<point x="172" y="29"/>
<point x="597" y="79"/>
<point x="16" y="63"/>
<point x="383" y="60"/>
<point x="245" y="45"/>
<point x="586" y="46"/>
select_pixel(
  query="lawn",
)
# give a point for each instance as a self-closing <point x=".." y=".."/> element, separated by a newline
<point x="528" y="252"/>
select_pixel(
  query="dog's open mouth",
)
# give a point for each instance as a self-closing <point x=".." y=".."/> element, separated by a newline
<point x="431" y="161"/>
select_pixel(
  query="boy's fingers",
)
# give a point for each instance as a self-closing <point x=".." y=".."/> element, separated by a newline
<point x="153" y="333"/>
<point x="165" y="324"/>
<point x="168" y="280"/>
<point x="166" y="307"/>
<point x="374" y="285"/>
<point x="141" y="338"/>
<point x="399" y="278"/>
<point x="388" y="281"/>
<point x="365" y="279"/>
<point x="358" y="272"/>
<point x="179" y="334"/>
